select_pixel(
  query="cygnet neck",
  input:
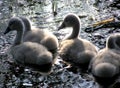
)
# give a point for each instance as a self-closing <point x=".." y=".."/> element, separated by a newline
<point x="75" y="31"/>
<point x="19" y="36"/>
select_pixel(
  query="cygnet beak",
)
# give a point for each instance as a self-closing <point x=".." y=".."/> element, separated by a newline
<point x="61" y="26"/>
<point x="7" y="30"/>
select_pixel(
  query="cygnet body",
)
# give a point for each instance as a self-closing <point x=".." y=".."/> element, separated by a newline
<point x="29" y="54"/>
<point x="73" y="49"/>
<point x="37" y="35"/>
<point x="105" y="67"/>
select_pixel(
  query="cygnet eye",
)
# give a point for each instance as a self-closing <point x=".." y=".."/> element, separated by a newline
<point x="12" y="23"/>
<point x="67" y="20"/>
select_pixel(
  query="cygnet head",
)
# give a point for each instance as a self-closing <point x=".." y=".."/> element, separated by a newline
<point x="113" y="41"/>
<point x="27" y="23"/>
<point x="71" y="20"/>
<point x="15" y="23"/>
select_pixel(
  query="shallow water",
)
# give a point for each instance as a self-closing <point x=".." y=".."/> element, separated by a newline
<point x="41" y="13"/>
